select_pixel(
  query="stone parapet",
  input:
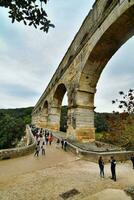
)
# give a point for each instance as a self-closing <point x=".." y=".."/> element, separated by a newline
<point x="20" y="151"/>
<point x="93" y="156"/>
<point x="118" y="155"/>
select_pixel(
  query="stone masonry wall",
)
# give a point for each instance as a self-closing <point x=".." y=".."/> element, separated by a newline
<point x="20" y="151"/>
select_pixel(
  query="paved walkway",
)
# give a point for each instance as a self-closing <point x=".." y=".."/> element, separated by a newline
<point x="17" y="166"/>
<point x="46" y="177"/>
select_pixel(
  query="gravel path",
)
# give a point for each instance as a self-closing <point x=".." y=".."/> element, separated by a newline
<point x="45" y="178"/>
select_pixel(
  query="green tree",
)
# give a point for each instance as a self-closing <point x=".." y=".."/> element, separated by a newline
<point x="100" y="122"/>
<point x="121" y="124"/>
<point x="31" y="12"/>
<point x="12" y="125"/>
<point x="63" y="118"/>
<point x="11" y="130"/>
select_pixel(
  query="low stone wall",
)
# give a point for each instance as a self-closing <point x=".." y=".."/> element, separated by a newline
<point x="119" y="156"/>
<point x="20" y="151"/>
<point x="93" y="156"/>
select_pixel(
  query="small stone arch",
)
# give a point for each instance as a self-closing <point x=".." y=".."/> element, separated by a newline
<point x="39" y="110"/>
<point x="59" y="94"/>
<point x="55" y="107"/>
<point x="44" y="115"/>
<point x="45" y="107"/>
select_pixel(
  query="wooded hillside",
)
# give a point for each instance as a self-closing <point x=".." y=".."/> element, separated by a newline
<point x="12" y="125"/>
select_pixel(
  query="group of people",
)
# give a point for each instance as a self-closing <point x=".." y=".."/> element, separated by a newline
<point x="63" y="143"/>
<point x="43" y="137"/>
<point x="39" y="148"/>
<point x="113" y="166"/>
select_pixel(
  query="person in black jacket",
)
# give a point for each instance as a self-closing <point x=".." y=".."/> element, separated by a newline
<point x="62" y="143"/>
<point x="65" y="145"/>
<point x="101" y="166"/>
<point x="132" y="159"/>
<point x="113" y="166"/>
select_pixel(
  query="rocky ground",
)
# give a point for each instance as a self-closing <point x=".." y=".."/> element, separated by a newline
<point x="49" y="177"/>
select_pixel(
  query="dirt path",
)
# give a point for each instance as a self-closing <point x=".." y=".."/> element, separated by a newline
<point x="45" y="178"/>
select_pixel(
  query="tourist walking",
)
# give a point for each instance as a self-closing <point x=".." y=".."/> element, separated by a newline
<point x="65" y="145"/>
<point x="58" y="143"/>
<point x="43" y="148"/>
<point x="37" y="150"/>
<point x="38" y="139"/>
<point x="132" y="159"/>
<point x="101" y="166"/>
<point x="50" y="138"/>
<point x="113" y="168"/>
<point x="62" y="143"/>
<point x="46" y="138"/>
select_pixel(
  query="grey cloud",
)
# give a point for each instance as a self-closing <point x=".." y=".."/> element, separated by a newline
<point x="17" y="90"/>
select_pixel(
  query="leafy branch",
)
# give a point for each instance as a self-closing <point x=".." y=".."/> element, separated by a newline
<point x="31" y="12"/>
<point x="126" y="102"/>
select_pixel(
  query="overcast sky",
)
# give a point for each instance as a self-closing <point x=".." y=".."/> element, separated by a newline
<point x="29" y="57"/>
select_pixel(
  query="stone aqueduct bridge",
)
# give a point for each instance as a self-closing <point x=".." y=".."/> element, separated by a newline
<point x="106" y="28"/>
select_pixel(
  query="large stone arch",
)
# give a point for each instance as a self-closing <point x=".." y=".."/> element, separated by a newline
<point x="59" y="94"/>
<point x="107" y="44"/>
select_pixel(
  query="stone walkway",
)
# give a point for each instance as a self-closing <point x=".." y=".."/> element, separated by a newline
<point x="17" y="166"/>
<point x="46" y="178"/>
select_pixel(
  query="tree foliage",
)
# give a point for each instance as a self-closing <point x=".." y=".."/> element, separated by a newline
<point x="12" y="125"/>
<point x="100" y="122"/>
<point x="121" y="124"/>
<point x="30" y="12"/>
<point x="63" y="118"/>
